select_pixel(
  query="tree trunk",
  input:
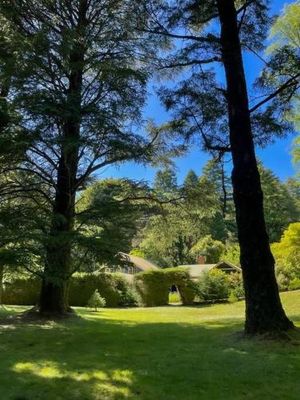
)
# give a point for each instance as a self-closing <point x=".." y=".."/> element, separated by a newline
<point x="54" y="293"/>
<point x="58" y="268"/>
<point x="264" y="312"/>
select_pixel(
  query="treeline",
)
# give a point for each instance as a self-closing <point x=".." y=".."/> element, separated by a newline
<point x="197" y="218"/>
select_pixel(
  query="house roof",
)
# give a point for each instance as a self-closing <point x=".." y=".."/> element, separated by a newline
<point x="140" y="263"/>
<point x="196" y="270"/>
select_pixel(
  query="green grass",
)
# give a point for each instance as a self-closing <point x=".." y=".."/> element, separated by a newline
<point x="174" y="298"/>
<point x="166" y="353"/>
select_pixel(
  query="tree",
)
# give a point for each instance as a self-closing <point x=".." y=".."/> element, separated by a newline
<point x="96" y="301"/>
<point x="210" y="248"/>
<point x="191" y="181"/>
<point x="263" y="307"/>
<point x="280" y="207"/>
<point x="79" y="88"/>
<point x="287" y="252"/>
<point x="296" y="154"/>
<point x="165" y="183"/>
<point x="182" y="220"/>
<point x="215" y="174"/>
<point x="107" y="218"/>
<point x="215" y="171"/>
<point x="226" y="122"/>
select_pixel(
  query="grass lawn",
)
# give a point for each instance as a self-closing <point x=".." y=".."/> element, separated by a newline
<point x="167" y="353"/>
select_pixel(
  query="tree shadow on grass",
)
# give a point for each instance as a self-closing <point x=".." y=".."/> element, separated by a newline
<point x="105" y="359"/>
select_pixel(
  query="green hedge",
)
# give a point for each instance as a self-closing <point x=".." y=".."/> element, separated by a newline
<point x="23" y="291"/>
<point x="153" y="286"/>
<point x="113" y="287"/>
<point x="116" y="290"/>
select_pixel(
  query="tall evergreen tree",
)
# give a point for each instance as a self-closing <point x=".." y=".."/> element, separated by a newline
<point x="191" y="181"/>
<point x="221" y="115"/>
<point x="280" y="206"/>
<point x="165" y="183"/>
<point x="80" y="89"/>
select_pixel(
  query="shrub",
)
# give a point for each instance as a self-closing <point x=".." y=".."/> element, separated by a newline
<point x="23" y="291"/>
<point x="294" y="284"/>
<point x="153" y="287"/>
<point x="130" y="298"/>
<point x="287" y="252"/>
<point x="283" y="281"/>
<point x="83" y="285"/>
<point x="232" y="297"/>
<point x="114" y="288"/>
<point x="236" y="285"/>
<point x="96" y="301"/>
<point x="213" y="285"/>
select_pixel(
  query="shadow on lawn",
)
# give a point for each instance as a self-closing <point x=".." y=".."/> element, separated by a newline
<point x="103" y="359"/>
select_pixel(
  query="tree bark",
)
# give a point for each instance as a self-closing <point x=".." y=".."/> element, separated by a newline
<point x="264" y="312"/>
<point x="54" y="292"/>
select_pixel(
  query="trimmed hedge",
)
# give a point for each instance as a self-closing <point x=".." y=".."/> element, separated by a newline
<point x="113" y="287"/>
<point x="153" y="286"/>
<point x="22" y="291"/>
<point x="116" y="290"/>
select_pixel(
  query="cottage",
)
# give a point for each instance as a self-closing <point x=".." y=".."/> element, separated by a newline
<point x="133" y="265"/>
<point x="197" y="270"/>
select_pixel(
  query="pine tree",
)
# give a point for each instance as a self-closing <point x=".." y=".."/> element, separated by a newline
<point x="165" y="183"/>
<point x="79" y="89"/>
<point x="280" y="206"/>
<point x="191" y="181"/>
<point x="220" y="114"/>
<point x="96" y="301"/>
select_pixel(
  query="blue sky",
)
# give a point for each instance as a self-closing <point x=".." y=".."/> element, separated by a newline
<point x="276" y="156"/>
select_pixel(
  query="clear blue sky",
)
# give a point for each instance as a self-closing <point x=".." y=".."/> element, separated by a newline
<point x="276" y="156"/>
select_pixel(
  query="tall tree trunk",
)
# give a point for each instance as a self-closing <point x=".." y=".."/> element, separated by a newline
<point x="264" y="312"/>
<point x="58" y="268"/>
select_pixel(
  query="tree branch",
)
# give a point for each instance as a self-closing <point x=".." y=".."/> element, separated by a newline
<point x="289" y="83"/>
<point x="192" y="62"/>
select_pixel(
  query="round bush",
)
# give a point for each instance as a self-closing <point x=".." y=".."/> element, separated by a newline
<point x="213" y="285"/>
